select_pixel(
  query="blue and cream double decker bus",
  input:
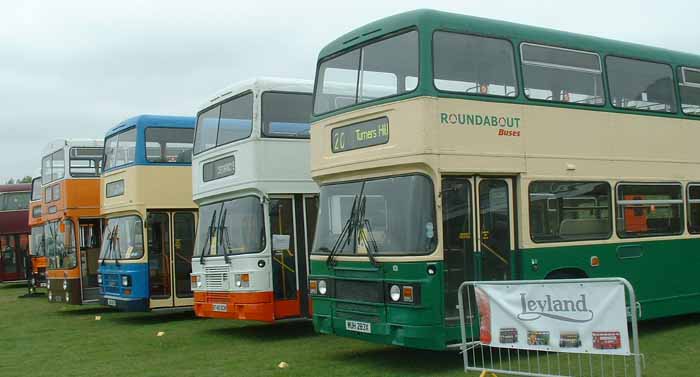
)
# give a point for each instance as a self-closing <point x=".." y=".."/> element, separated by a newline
<point x="257" y="202"/>
<point x="149" y="214"/>
<point x="450" y="148"/>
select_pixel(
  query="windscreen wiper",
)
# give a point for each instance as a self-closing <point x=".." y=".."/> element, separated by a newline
<point x="224" y="240"/>
<point x="345" y="234"/>
<point x="367" y="235"/>
<point x="113" y="241"/>
<point x="209" y="234"/>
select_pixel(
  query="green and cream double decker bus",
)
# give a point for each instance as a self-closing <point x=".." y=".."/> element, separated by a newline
<point x="451" y="148"/>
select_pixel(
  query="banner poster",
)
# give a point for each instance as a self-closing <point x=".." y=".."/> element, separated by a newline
<point x="566" y="317"/>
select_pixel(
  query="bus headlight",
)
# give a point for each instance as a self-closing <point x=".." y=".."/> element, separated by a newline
<point x="322" y="287"/>
<point x="65" y="285"/>
<point x="242" y="280"/>
<point x="48" y="283"/>
<point x="126" y="281"/>
<point x="99" y="279"/>
<point x="395" y="293"/>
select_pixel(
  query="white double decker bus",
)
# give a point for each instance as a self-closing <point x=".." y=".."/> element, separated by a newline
<point x="257" y="201"/>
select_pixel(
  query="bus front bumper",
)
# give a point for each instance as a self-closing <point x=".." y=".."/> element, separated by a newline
<point x="423" y="337"/>
<point x="125" y="304"/>
<point x="254" y="306"/>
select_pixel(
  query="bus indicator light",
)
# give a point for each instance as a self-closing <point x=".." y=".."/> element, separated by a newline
<point x="408" y="294"/>
<point x="595" y="261"/>
<point x="313" y="287"/>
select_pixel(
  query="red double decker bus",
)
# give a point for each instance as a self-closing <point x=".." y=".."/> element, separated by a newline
<point x="14" y="231"/>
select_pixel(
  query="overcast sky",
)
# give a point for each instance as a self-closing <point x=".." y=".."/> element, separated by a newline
<point x="75" y="68"/>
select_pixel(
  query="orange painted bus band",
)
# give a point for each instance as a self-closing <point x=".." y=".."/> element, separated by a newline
<point x="78" y="198"/>
<point x="254" y="306"/>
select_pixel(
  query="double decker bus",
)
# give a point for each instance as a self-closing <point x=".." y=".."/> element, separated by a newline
<point x="37" y="246"/>
<point x="257" y="202"/>
<point x="150" y="218"/>
<point x="70" y="171"/>
<point x="14" y="231"/>
<point x="484" y="150"/>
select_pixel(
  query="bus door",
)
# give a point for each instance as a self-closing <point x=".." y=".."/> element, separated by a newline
<point x="90" y="233"/>
<point x="285" y="251"/>
<point x="477" y="225"/>
<point x="310" y="216"/>
<point x="496" y="228"/>
<point x="170" y="237"/>
<point x="458" y="240"/>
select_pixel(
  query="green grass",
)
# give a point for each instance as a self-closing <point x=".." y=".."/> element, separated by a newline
<point x="42" y="339"/>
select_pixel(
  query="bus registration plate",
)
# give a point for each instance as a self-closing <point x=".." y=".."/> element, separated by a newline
<point x="358" y="326"/>
<point x="220" y="308"/>
<point x="111" y="302"/>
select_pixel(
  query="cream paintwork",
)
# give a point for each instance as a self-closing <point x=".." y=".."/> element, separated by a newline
<point x="555" y="143"/>
<point x="149" y="187"/>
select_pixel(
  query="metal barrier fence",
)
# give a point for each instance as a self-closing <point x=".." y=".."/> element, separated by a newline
<point x="491" y="360"/>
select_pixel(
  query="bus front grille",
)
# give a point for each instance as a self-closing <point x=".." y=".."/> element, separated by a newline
<point x="357" y="290"/>
<point x="216" y="277"/>
<point x="111" y="283"/>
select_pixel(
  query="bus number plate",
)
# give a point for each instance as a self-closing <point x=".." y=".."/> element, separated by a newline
<point x="220" y="308"/>
<point x="111" y="302"/>
<point x="358" y="326"/>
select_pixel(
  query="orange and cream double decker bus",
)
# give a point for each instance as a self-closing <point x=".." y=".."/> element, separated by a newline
<point x="37" y="244"/>
<point x="71" y="212"/>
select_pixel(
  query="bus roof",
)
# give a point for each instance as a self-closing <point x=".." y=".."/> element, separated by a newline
<point x="259" y="84"/>
<point x="58" y="144"/>
<point x="429" y="20"/>
<point x="152" y="121"/>
<point x="18" y="187"/>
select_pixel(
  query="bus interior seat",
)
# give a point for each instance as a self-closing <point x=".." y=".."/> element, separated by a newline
<point x="573" y="228"/>
<point x="184" y="156"/>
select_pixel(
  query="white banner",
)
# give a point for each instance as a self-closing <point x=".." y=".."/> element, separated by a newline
<point x="567" y="317"/>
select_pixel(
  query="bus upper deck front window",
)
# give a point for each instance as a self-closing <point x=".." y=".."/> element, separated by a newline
<point x="36" y="189"/>
<point x="120" y="149"/>
<point x="53" y="167"/>
<point x="384" y="216"/>
<point x="169" y="145"/>
<point x="286" y="114"/>
<point x="381" y="69"/>
<point x="225" y="123"/>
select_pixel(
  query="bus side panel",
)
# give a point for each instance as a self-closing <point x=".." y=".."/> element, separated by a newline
<point x="663" y="272"/>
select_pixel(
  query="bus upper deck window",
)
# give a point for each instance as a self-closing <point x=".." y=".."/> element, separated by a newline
<point x="562" y="75"/>
<point x="473" y="65"/>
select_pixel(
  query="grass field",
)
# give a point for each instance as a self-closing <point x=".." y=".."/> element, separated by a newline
<point x="42" y="339"/>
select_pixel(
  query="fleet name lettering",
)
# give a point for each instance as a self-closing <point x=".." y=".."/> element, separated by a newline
<point x="561" y="309"/>
<point x="503" y="123"/>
